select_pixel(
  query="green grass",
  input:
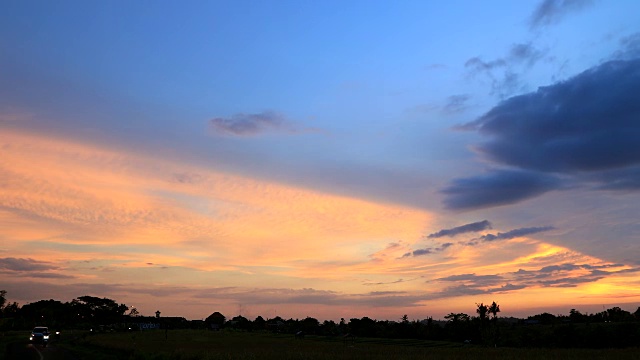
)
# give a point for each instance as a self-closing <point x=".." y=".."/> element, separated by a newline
<point x="206" y="345"/>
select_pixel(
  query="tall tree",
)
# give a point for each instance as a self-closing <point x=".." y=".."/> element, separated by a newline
<point x="482" y="311"/>
<point x="494" y="309"/>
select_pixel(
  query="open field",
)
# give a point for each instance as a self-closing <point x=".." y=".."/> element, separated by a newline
<point x="207" y="345"/>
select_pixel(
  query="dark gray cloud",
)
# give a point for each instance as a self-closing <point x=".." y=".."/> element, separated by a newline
<point x="497" y="187"/>
<point x="586" y="123"/>
<point x="552" y="11"/>
<point x="515" y="233"/>
<point x="421" y="252"/>
<point x="581" y="131"/>
<point x="21" y="264"/>
<point x="472" y="227"/>
<point x="251" y="124"/>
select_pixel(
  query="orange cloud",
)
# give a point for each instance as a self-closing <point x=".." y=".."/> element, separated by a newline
<point x="132" y="225"/>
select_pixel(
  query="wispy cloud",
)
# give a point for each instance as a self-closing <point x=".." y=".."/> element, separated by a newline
<point x="477" y="280"/>
<point x="503" y="72"/>
<point x="629" y="47"/>
<point x="525" y="53"/>
<point x="255" y="124"/>
<point x="456" y="104"/>
<point x="552" y="11"/>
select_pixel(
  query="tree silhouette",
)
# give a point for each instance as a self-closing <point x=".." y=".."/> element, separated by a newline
<point x="101" y="310"/>
<point x="482" y="311"/>
<point x="259" y="323"/>
<point x="456" y="317"/>
<point x="458" y="325"/>
<point x="3" y="299"/>
<point x="494" y="309"/>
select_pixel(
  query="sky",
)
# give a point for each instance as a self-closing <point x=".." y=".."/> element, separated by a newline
<point x="332" y="159"/>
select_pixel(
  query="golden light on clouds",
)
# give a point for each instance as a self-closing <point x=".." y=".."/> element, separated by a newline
<point x="90" y="218"/>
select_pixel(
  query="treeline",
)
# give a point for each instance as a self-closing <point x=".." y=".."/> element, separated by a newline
<point x="84" y="311"/>
<point x="613" y="327"/>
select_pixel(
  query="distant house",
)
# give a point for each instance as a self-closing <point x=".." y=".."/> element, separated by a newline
<point x="215" y="321"/>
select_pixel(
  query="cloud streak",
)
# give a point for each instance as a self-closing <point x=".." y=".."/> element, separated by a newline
<point x="515" y="233"/>
<point x="252" y="124"/>
<point x="472" y="227"/>
<point x="21" y="264"/>
<point x="427" y="251"/>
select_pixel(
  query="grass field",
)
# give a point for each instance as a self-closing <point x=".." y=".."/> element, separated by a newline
<point x="207" y="345"/>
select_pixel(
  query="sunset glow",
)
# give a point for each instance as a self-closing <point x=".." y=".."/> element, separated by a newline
<point x="327" y="174"/>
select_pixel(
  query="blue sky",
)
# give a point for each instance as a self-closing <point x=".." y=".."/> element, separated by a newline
<point x="522" y="114"/>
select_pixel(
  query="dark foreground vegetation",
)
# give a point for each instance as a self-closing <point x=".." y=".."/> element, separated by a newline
<point x="100" y="328"/>
<point x="233" y="344"/>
